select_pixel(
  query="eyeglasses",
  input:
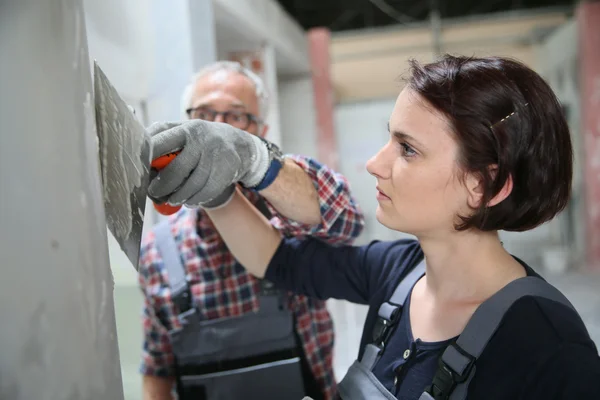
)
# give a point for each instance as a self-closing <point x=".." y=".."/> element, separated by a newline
<point x="240" y="120"/>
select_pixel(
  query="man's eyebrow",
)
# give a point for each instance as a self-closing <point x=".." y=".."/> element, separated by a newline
<point x="209" y="103"/>
<point x="404" y="136"/>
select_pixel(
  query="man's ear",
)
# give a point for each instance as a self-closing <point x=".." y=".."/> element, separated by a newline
<point x="475" y="187"/>
<point x="264" y="130"/>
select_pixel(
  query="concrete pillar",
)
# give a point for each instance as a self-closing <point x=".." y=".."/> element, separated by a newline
<point x="262" y="62"/>
<point x="270" y="77"/>
<point x="588" y="19"/>
<point x="184" y="37"/>
<point x="58" y="336"/>
<point x="318" y="42"/>
<point x="298" y="116"/>
<point x="184" y="41"/>
<point x="203" y="34"/>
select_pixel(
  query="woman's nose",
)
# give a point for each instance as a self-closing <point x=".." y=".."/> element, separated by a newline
<point x="379" y="165"/>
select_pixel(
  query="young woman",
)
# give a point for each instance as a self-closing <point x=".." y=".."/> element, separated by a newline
<point x="476" y="145"/>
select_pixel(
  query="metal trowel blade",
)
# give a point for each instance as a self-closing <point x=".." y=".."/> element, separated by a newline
<point x="125" y="155"/>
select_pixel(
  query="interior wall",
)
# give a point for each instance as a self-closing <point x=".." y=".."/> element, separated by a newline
<point x="366" y="63"/>
<point x="558" y="62"/>
<point x="297" y="116"/>
<point x="361" y="131"/>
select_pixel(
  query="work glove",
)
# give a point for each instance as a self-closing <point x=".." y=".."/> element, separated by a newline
<point x="214" y="157"/>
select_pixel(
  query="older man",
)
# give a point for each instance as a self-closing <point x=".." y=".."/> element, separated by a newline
<point x="212" y="330"/>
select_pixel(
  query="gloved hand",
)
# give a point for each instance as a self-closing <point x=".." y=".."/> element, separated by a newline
<point x="214" y="156"/>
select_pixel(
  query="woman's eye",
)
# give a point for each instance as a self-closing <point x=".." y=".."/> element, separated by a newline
<point x="407" y="150"/>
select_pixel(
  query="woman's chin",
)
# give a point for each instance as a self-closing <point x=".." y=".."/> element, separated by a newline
<point x="394" y="222"/>
<point x="385" y="219"/>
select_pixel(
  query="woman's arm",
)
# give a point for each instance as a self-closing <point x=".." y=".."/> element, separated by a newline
<point x="307" y="266"/>
<point x="248" y="234"/>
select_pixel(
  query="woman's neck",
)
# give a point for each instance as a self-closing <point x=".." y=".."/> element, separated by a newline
<point x="467" y="267"/>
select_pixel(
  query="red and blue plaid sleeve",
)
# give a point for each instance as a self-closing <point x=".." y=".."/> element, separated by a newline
<point x="157" y="354"/>
<point x="341" y="218"/>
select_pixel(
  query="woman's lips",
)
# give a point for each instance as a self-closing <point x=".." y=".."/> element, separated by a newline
<point x="381" y="195"/>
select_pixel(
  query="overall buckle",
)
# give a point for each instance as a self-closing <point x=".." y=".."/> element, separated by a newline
<point x="383" y="328"/>
<point x="446" y="379"/>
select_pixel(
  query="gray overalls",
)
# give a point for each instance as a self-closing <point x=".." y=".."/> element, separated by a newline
<point x="253" y="356"/>
<point x="458" y="362"/>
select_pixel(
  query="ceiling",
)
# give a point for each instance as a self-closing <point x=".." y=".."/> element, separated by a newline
<point x="341" y="15"/>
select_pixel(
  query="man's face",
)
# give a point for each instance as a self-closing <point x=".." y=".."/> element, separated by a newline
<point x="229" y="97"/>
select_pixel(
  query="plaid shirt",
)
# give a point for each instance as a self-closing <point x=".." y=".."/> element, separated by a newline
<point x="221" y="287"/>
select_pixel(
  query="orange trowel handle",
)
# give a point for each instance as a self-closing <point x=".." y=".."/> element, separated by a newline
<point x="159" y="164"/>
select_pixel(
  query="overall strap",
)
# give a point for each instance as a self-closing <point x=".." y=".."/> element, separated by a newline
<point x="457" y="364"/>
<point x="165" y="242"/>
<point x="389" y="314"/>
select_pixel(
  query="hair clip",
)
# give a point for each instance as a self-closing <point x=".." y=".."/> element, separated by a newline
<point x="505" y="118"/>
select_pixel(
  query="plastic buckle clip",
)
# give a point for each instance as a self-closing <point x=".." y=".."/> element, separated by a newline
<point x="383" y="328"/>
<point x="446" y="379"/>
<point x="460" y="378"/>
<point x="183" y="300"/>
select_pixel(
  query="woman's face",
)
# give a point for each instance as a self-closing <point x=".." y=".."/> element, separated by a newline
<point x="418" y="186"/>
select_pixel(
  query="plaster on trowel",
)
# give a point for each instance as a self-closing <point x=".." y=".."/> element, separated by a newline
<point x="125" y="164"/>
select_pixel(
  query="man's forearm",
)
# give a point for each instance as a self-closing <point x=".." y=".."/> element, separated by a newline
<point x="293" y="195"/>
<point x="248" y="234"/>
<point x="157" y="388"/>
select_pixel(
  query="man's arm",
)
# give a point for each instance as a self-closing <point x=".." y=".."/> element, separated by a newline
<point x="310" y="199"/>
<point x="293" y="194"/>
<point x="157" y="357"/>
<point x="158" y="381"/>
<point x="157" y="388"/>
<point x="216" y="156"/>
<point x="319" y="269"/>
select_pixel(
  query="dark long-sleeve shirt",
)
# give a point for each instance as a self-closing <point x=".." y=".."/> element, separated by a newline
<point x="540" y="351"/>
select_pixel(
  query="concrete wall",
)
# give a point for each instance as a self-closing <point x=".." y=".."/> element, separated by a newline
<point x="58" y="336"/>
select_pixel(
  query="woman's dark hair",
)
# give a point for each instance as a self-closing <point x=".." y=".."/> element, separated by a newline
<point x="507" y="122"/>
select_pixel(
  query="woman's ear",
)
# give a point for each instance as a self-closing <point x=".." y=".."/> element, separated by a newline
<point x="474" y="184"/>
<point x="503" y="193"/>
<point x="475" y="187"/>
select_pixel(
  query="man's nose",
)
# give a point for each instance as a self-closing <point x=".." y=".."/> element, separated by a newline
<point x="219" y="118"/>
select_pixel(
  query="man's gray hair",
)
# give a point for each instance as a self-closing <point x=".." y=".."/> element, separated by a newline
<point x="232" y="66"/>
